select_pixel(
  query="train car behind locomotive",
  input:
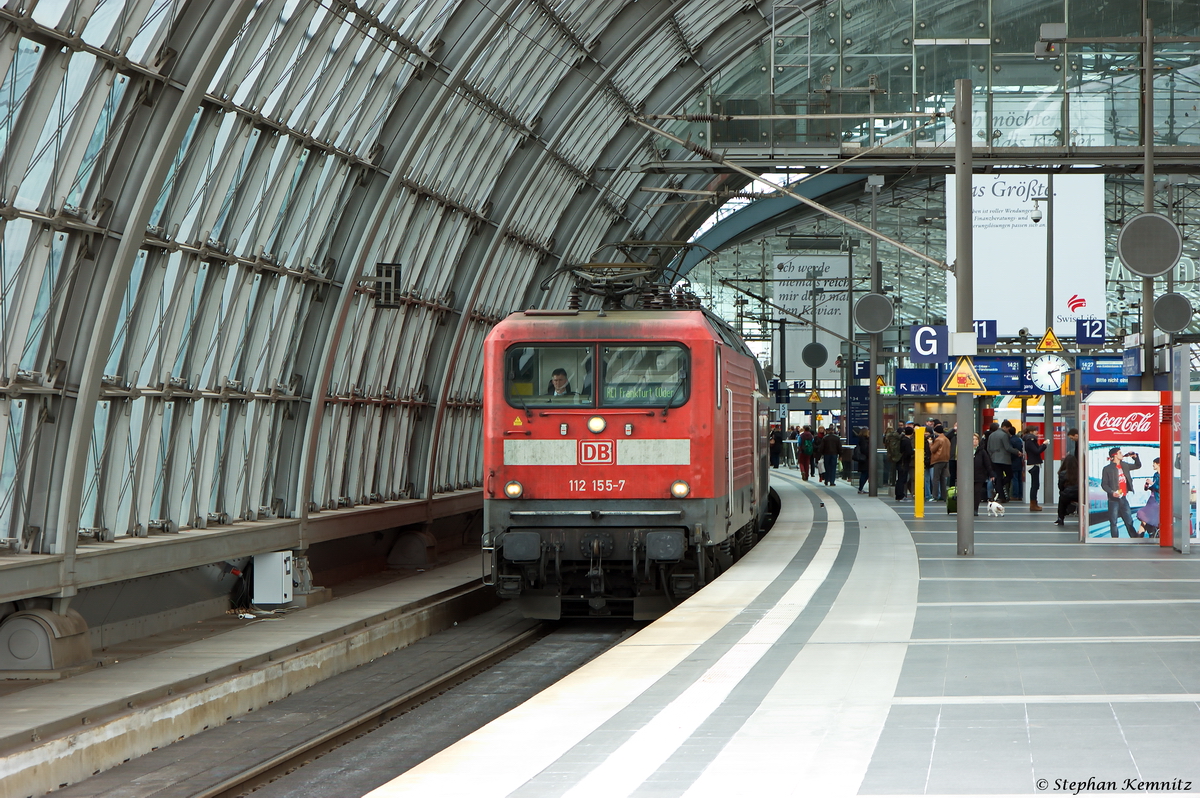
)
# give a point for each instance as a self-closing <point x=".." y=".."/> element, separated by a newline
<point x="625" y="458"/>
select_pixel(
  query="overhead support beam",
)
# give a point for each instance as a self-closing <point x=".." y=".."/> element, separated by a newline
<point x="704" y="152"/>
<point x="937" y="160"/>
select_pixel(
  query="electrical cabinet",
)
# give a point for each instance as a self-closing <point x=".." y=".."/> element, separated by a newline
<point x="272" y="582"/>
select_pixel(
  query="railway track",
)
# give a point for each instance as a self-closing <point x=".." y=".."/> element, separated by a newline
<point x="359" y="729"/>
<point x="367" y="721"/>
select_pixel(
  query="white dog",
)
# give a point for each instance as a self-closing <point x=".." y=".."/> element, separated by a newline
<point x="995" y="508"/>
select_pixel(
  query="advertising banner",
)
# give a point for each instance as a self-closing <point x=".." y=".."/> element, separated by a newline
<point x="1187" y="502"/>
<point x="1119" y="468"/>
<point x="1010" y="251"/>
<point x="793" y="291"/>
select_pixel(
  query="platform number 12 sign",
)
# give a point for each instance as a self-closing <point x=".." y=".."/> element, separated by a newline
<point x="1089" y="332"/>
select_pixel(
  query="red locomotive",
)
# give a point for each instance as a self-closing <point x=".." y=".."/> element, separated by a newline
<point x="625" y="458"/>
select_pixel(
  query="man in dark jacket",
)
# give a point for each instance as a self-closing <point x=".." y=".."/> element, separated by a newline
<point x="1116" y="479"/>
<point x="862" y="456"/>
<point x="831" y="448"/>
<point x="776" y="446"/>
<point x="891" y="442"/>
<point x="982" y="470"/>
<point x="905" y="463"/>
<point x="1033" y="456"/>
<point x="1000" y="451"/>
<point x="952" y="472"/>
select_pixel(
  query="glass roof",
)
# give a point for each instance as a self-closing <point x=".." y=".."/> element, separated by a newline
<point x="250" y="250"/>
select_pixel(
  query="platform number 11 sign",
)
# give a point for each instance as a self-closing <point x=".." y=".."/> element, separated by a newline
<point x="985" y="332"/>
<point x="1089" y="332"/>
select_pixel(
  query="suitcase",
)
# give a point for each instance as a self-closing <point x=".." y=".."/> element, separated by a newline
<point x="951" y="500"/>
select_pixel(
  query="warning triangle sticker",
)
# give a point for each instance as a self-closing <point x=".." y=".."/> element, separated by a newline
<point x="517" y="422"/>
<point x="814" y="397"/>
<point x="963" y="378"/>
<point x="1050" y="342"/>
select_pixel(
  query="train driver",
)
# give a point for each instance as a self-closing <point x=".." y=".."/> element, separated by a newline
<point x="559" y="385"/>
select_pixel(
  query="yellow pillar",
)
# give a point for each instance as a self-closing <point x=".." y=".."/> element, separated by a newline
<point x="919" y="473"/>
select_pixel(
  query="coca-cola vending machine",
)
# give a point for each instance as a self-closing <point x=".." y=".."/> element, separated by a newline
<point x="1118" y="453"/>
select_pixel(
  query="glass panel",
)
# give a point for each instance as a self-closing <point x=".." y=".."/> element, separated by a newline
<point x="1173" y="18"/>
<point x="886" y="28"/>
<point x="1015" y="26"/>
<point x="1110" y="18"/>
<point x="1026" y="103"/>
<point x="893" y="82"/>
<point x="801" y="91"/>
<point x="937" y="69"/>
<point x="537" y="376"/>
<point x="1176" y="96"/>
<point x="962" y="18"/>
<point x="644" y="376"/>
<point x="939" y="66"/>
<point x="741" y="131"/>
<point x="1105" y="86"/>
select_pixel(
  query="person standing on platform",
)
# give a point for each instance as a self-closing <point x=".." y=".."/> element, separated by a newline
<point x="1033" y="456"/>
<point x="930" y="426"/>
<point x="831" y="448"/>
<point x="983" y="471"/>
<point x="776" y="446"/>
<point x="891" y="444"/>
<point x="939" y="458"/>
<point x="952" y="466"/>
<point x="1000" y="451"/>
<point x="862" y="456"/>
<point x="804" y="451"/>
<point x="1017" y="472"/>
<point x="1068" y="485"/>
<point x="1116" y="479"/>
<point x="904" y="464"/>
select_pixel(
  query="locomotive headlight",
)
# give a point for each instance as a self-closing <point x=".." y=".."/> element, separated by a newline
<point x="513" y="490"/>
<point x="680" y="489"/>
<point x="597" y="424"/>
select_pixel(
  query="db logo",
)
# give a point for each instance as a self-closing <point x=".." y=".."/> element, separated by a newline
<point x="597" y="452"/>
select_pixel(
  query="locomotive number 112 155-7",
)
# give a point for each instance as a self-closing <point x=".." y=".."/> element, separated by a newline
<point x="606" y="485"/>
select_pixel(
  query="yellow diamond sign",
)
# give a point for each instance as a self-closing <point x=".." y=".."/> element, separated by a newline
<point x="1050" y="342"/>
<point x="963" y="378"/>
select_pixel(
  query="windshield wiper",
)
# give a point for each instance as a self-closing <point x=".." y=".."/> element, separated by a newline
<point x="674" y="393"/>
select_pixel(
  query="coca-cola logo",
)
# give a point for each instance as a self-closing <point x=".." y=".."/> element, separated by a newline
<point x="1132" y="422"/>
<point x="1128" y="423"/>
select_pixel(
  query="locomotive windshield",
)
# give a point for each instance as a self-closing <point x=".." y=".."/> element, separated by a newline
<point x="644" y="376"/>
<point x="536" y="376"/>
<point x="652" y="375"/>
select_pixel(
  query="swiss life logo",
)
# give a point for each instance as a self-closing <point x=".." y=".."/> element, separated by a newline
<point x="597" y="452"/>
<point x="1076" y="302"/>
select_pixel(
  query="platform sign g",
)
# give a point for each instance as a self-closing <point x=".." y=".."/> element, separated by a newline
<point x="929" y="343"/>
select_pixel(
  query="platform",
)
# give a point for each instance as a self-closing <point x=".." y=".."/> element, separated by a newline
<point x="63" y="731"/>
<point x="852" y="652"/>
